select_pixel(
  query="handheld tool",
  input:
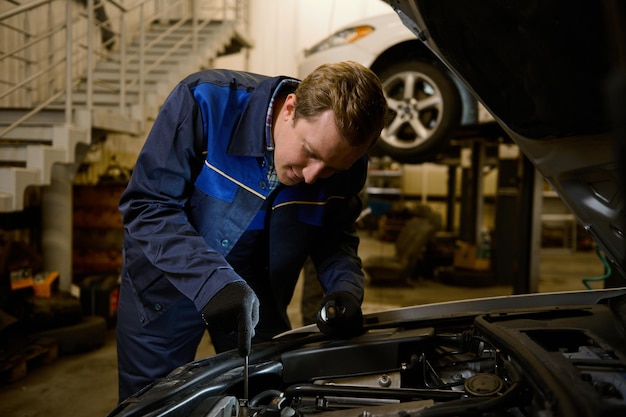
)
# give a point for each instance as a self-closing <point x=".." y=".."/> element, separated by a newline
<point x="243" y="403"/>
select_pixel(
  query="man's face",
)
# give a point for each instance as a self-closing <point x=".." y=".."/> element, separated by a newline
<point x="306" y="150"/>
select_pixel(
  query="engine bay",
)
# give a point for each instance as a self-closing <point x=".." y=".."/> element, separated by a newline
<point x="558" y="362"/>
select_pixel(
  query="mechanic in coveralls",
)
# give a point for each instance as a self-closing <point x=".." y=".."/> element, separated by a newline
<point x="241" y="178"/>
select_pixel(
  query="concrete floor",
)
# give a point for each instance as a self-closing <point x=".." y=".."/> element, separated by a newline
<point x="86" y="384"/>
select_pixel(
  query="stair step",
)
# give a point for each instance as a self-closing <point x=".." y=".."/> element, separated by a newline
<point x="113" y="121"/>
<point x="169" y="41"/>
<point x="157" y="51"/>
<point x="134" y="66"/>
<point x="12" y="154"/>
<point x="29" y="133"/>
<point x="156" y="29"/>
<point x="14" y="182"/>
<point x="42" y="158"/>
<point x="178" y="34"/>
<point x="38" y="157"/>
<point x="112" y="68"/>
<point x="104" y="98"/>
<point x="109" y="80"/>
<point x="172" y="59"/>
<point x="110" y="71"/>
<point x="106" y="87"/>
<point x="49" y="116"/>
<point x="6" y="202"/>
<point x="113" y="77"/>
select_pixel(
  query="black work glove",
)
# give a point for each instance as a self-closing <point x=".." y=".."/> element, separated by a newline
<point x="234" y="308"/>
<point x="340" y="315"/>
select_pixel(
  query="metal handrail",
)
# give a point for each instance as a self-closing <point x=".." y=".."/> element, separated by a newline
<point x="46" y="33"/>
<point x="22" y="8"/>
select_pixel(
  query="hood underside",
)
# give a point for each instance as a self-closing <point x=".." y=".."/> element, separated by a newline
<point x="553" y="75"/>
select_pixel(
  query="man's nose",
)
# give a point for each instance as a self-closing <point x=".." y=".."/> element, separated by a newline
<point x="315" y="170"/>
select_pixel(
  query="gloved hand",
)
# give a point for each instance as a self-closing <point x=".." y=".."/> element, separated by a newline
<point x="340" y="315"/>
<point x="234" y="308"/>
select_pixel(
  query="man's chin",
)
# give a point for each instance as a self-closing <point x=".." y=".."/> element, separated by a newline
<point x="289" y="182"/>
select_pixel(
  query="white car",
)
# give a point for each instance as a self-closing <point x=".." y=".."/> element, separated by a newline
<point x="427" y="103"/>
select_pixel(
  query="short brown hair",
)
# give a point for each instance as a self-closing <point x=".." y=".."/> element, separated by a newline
<point x="353" y="92"/>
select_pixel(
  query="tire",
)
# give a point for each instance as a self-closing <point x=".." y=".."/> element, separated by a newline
<point x="413" y="134"/>
<point x="60" y="310"/>
<point x="88" y="334"/>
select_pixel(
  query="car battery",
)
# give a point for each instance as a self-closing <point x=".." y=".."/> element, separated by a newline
<point x="99" y="296"/>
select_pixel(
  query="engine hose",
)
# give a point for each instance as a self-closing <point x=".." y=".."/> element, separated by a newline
<point x="607" y="269"/>
<point x="270" y="393"/>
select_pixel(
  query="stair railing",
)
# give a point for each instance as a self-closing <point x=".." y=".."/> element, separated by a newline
<point x="50" y="49"/>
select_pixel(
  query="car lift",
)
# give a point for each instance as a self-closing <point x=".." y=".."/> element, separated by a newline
<point x="515" y="244"/>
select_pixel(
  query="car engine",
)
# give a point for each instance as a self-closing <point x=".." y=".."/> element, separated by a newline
<point x="561" y="362"/>
<point x="514" y="359"/>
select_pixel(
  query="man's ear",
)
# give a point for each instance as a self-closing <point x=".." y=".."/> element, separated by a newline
<point x="289" y="107"/>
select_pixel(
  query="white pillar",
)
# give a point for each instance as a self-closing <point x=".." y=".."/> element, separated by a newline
<point x="57" y="220"/>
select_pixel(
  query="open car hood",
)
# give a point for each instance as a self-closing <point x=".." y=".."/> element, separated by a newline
<point x="552" y="73"/>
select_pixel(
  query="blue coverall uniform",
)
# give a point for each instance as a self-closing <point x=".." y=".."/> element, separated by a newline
<point x="199" y="214"/>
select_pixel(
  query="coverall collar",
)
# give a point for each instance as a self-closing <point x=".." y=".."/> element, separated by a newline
<point x="252" y="121"/>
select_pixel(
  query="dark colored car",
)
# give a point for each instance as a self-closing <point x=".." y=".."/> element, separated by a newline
<point x="552" y="74"/>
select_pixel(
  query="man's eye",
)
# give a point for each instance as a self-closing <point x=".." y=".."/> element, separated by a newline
<point x="310" y="154"/>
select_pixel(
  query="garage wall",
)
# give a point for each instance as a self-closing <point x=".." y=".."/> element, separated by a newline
<point x="282" y="29"/>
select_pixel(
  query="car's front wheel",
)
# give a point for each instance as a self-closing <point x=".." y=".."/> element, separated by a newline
<point x="424" y="111"/>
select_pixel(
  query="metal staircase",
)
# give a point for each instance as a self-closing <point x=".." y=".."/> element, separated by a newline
<point x="73" y="73"/>
<point x="69" y="69"/>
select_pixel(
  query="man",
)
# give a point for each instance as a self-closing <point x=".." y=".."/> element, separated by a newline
<point x="241" y="178"/>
